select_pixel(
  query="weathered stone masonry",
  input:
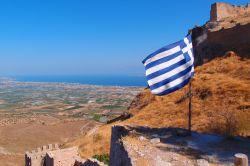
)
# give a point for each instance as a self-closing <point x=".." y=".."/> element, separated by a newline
<point x="221" y="11"/>
<point x="54" y="156"/>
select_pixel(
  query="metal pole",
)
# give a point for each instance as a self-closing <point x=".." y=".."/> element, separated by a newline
<point x="190" y="108"/>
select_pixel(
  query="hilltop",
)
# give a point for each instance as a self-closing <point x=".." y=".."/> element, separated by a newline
<point x="220" y="92"/>
<point x="220" y="87"/>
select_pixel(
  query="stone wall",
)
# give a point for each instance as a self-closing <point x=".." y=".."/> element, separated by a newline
<point x="217" y="43"/>
<point x="53" y="156"/>
<point x="118" y="154"/>
<point x="36" y="157"/>
<point x="62" y="157"/>
<point x="220" y="11"/>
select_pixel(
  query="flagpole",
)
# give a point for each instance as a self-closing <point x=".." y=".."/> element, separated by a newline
<point x="190" y="107"/>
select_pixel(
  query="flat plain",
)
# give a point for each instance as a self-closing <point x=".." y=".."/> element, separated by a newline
<point x="36" y="114"/>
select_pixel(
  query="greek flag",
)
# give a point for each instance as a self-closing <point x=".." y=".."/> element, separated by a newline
<point x="171" y="67"/>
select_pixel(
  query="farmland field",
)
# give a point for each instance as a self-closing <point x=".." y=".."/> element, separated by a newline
<point x="36" y="114"/>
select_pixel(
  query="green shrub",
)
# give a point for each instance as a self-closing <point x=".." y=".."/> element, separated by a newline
<point x="97" y="117"/>
<point x="102" y="158"/>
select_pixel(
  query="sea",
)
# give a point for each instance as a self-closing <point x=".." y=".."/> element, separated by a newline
<point x="139" y="81"/>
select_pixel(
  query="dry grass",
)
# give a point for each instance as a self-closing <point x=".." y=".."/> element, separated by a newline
<point x="221" y="88"/>
<point x="15" y="139"/>
<point x="222" y="85"/>
<point x="97" y="142"/>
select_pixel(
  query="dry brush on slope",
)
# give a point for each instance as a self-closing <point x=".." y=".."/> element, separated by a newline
<point x="221" y="87"/>
<point x="221" y="104"/>
<point x="221" y="100"/>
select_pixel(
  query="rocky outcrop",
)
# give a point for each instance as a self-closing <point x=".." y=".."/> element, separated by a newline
<point x="122" y="117"/>
<point x="89" y="162"/>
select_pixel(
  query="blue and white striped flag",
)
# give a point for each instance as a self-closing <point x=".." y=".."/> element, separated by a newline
<point x="171" y="67"/>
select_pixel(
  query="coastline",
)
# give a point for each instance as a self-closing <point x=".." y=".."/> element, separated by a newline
<point x="113" y="81"/>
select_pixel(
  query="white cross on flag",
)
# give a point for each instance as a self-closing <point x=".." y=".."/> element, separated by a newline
<point x="171" y="67"/>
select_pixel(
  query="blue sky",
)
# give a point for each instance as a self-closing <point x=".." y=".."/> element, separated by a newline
<point x="91" y="37"/>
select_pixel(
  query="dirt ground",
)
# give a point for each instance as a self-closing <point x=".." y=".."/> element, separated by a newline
<point x="16" y="139"/>
<point x="165" y="146"/>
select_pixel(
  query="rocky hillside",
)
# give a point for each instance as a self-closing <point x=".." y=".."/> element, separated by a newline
<point x="221" y="104"/>
<point x="221" y="86"/>
<point x="220" y="99"/>
<point x="220" y="89"/>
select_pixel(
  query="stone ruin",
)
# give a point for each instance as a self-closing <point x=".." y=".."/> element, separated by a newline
<point x="62" y="157"/>
<point x="142" y="145"/>
<point x="36" y="157"/>
<point x="220" y="11"/>
<point x="227" y="30"/>
<point x="54" y="156"/>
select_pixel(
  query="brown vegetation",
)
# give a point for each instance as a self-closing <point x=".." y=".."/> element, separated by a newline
<point x="221" y="94"/>
<point x="221" y="104"/>
<point x="95" y="142"/>
<point x="17" y="138"/>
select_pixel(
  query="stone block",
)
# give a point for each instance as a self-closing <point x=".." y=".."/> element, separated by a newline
<point x="56" y="146"/>
<point x="155" y="140"/>
<point x="220" y="11"/>
<point x="50" y="147"/>
<point x="39" y="149"/>
<point x="44" y="148"/>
